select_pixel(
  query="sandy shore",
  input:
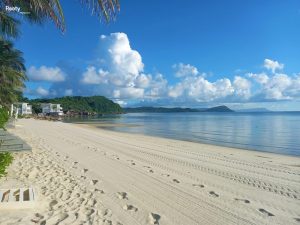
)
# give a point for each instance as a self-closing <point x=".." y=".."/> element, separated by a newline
<point x="85" y="175"/>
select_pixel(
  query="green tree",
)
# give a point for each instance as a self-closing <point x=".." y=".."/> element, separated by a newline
<point x="12" y="72"/>
<point x="36" y="107"/>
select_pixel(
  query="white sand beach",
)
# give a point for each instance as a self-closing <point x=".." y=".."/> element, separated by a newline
<point x="86" y="175"/>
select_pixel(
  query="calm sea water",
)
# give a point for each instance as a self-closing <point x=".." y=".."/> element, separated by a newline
<point x="269" y="132"/>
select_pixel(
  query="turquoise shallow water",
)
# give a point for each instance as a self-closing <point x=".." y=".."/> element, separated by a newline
<point x="269" y="132"/>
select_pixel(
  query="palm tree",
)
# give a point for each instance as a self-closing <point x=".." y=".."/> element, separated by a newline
<point x="12" y="69"/>
<point x="41" y="10"/>
<point x="12" y="72"/>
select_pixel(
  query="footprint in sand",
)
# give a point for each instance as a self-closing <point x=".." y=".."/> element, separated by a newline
<point x="176" y="181"/>
<point x="52" y="203"/>
<point x="94" y="182"/>
<point x="147" y="167"/>
<point x="75" y="163"/>
<point x="38" y="218"/>
<point x="150" y="171"/>
<point x="243" y="200"/>
<point x="154" y="218"/>
<point x="265" y="212"/>
<point x="84" y="170"/>
<point x="106" y="212"/>
<point x="122" y="195"/>
<point x="98" y="190"/>
<point x="297" y="219"/>
<point x="198" y="185"/>
<point x="263" y="157"/>
<point x="130" y="208"/>
<point x="57" y="218"/>
<point x="133" y="164"/>
<point x="214" y="194"/>
<point x="165" y="175"/>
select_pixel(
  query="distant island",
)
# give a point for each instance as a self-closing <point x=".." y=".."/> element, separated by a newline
<point x="80" y="105"/>
<point x="222" y="108"/>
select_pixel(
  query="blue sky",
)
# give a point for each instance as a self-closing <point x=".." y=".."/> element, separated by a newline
<point x="172" y="53"/>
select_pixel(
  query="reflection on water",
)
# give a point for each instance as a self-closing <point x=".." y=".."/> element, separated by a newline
<point x="272" y="132"/>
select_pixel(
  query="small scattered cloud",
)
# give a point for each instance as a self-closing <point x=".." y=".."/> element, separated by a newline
<point x="44" y="73"/>
<point x="183" y="70"/>
<point x="39" y="92"/>
<point x="261" y="78"/>
<point x="273" y="65"/>
<point x="68" y="92"/>
<point x="42" y="92"/>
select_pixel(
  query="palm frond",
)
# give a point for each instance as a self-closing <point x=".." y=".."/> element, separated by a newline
<point x="12" y="72"/>
<point x="106" y="9"/>
<point x="9" y="25"/>
<point x="37" y="11"/>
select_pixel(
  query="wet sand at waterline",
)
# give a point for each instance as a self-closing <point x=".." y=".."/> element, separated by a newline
<point x="85" y="175"/>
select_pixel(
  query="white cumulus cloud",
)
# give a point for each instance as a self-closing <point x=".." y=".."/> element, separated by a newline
<point x="118" y="73"/>
<point x="277" y="86"/>
<point x="124" y="64"/>
<point x="119" y="70"/>
<point x="201" y="90"/>
<point x="128" y="93"/>
<point x="242" y="87"/>
<point x="91" y="76"/>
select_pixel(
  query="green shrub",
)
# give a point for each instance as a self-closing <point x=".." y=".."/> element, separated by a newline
<point x="3" y="116"/>
<point x="5" y="157"/>
<point x="5" y="160"/>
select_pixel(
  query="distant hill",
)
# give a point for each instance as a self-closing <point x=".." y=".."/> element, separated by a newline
<point x="221" y="108"/>
<point x="79" y="104"/>
<point x="254" y="110"/>
<point x="169" y="110"/>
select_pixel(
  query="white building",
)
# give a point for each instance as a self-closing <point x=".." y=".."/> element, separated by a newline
<point x="54" y="109"/>
<point x="22" y="108"/>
